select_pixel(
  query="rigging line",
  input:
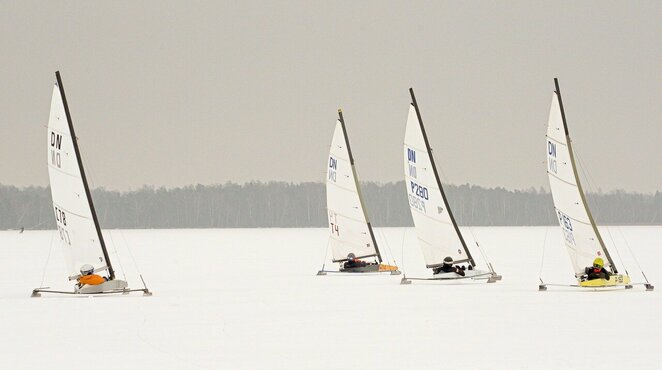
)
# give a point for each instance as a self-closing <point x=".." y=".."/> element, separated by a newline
<point x="617" y="251"/>
<point x="34" y="227"/>
<point x="119" y="260"/>
<point x="326" y="251"/>
<point x="50" y="249"/>
<point x="388" y="246"/>
<point x="482" y="253"/>
<point x="439" y="167"/>
<point x="589" y="181"/>
<point x="128" y="248"/>
<point x="632" y="254"/>
<point x="402" y="249"/>
<point x="542" y="260"/>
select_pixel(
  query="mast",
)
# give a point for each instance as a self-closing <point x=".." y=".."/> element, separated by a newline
<point x="436" y="176"/>
<point x="358" y="186"/>
<point x="82" y="175"/>
<point x="579" y="185"/>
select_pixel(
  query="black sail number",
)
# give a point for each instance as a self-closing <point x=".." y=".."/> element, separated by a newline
<point x="61" y="221"/>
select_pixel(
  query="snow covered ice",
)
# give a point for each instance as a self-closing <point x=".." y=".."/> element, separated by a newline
<point x="249" y="298"/>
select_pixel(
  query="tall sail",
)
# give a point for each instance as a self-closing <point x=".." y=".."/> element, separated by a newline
<point x="580" y="235"/>
<point x="437" y="231"/>
<point x="75" y="217"/>
<point x="350" y="228"/>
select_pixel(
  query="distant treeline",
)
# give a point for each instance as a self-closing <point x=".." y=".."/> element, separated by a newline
<point x="280" y="204"/>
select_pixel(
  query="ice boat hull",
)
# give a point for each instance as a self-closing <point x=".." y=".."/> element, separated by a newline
<point x="108" y="286"/>
<point x="614" y="280"/>
<point x="373" y="267"/>
<point x="469" y="275"/>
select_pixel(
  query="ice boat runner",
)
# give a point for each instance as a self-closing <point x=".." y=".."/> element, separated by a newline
<point x="352" y="239"/>
<point x="77" y="225"/>
<point x="439" y="236"/>
<point x="580" y="234"/>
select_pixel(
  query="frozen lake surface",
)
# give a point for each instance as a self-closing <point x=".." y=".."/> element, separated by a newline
<point x="249" y="298"/>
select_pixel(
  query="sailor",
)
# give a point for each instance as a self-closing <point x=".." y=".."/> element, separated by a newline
<point x="597" y="271"/>
<point x="88" y="277"/>
<point x="447" y="266"/>
<point x="353" y="262"/>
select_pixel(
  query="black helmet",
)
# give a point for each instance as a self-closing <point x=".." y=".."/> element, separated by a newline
<point x="448" y="260"/>
<point x="351" y="257"/>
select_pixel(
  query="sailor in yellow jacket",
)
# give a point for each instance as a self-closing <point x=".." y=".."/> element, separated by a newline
<point x="88" y="277"/>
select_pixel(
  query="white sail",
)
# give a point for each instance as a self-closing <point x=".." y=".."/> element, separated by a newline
<point x="435" y="228"/>
<point x="580" y="236"/>
<point x="73" y="214"/>
<point x="348" y="222"/>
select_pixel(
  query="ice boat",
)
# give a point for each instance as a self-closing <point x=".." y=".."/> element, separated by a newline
<point x="438" y="234"/>
<point x="580" y="233"/>
<point x="350" y="230"/>
<point x="76" y="219"/>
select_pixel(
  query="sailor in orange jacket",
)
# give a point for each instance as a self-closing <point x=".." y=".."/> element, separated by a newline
<point x="88" y="277"/>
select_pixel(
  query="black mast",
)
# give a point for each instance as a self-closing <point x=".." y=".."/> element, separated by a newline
<point x="579" y="185"/>
<point x="436" y="175"/>
<point x="82" y="175"/>
<point x="358" y="186"/>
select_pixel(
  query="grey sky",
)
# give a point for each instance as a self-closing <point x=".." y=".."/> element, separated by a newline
<point x="176" y="93"/>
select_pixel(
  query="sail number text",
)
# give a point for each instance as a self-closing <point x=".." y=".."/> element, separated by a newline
<point x="418" y="195"/>
<point x="566" y="226"/>
<point x="334" y="229"/>
<point x="551" y="157"/>
<point x="61" y="221"/>
<point x="333" y="167"/>
<point x="419" y="190"/>
<point x="411" y="158"/>
<point x="56" y="144"/>
<point x="414" y="202"/>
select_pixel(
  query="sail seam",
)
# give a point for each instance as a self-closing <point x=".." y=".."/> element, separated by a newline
<point x="63" y="172"/>
<point x="343" y="188"/>
<point x="430" y="217"/>
<point x="60" y="132"/>
<point x="575" y="219"/>
<point x="337" y="157"/>
<point x="558" y="142"/>
<point x="416" y="148"/>
<point x="71" y="212"/>
<point x="350" y="218"/>
<point x="430" y="244"/>
<point x="560" y="179"/>
<point x="344" y="242"/>
<point x="426" y="184"/>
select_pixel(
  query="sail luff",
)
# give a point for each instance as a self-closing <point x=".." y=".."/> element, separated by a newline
<point x="358" y="186"/>
<point x="578" y="182"/>
<point x="436" y="175"/>
<point x="88" y="194"/>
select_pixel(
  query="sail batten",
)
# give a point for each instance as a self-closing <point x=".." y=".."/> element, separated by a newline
<point x="580" y="233"/>
<point x="350" y="228"/>
<point x="435" y="225"/>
